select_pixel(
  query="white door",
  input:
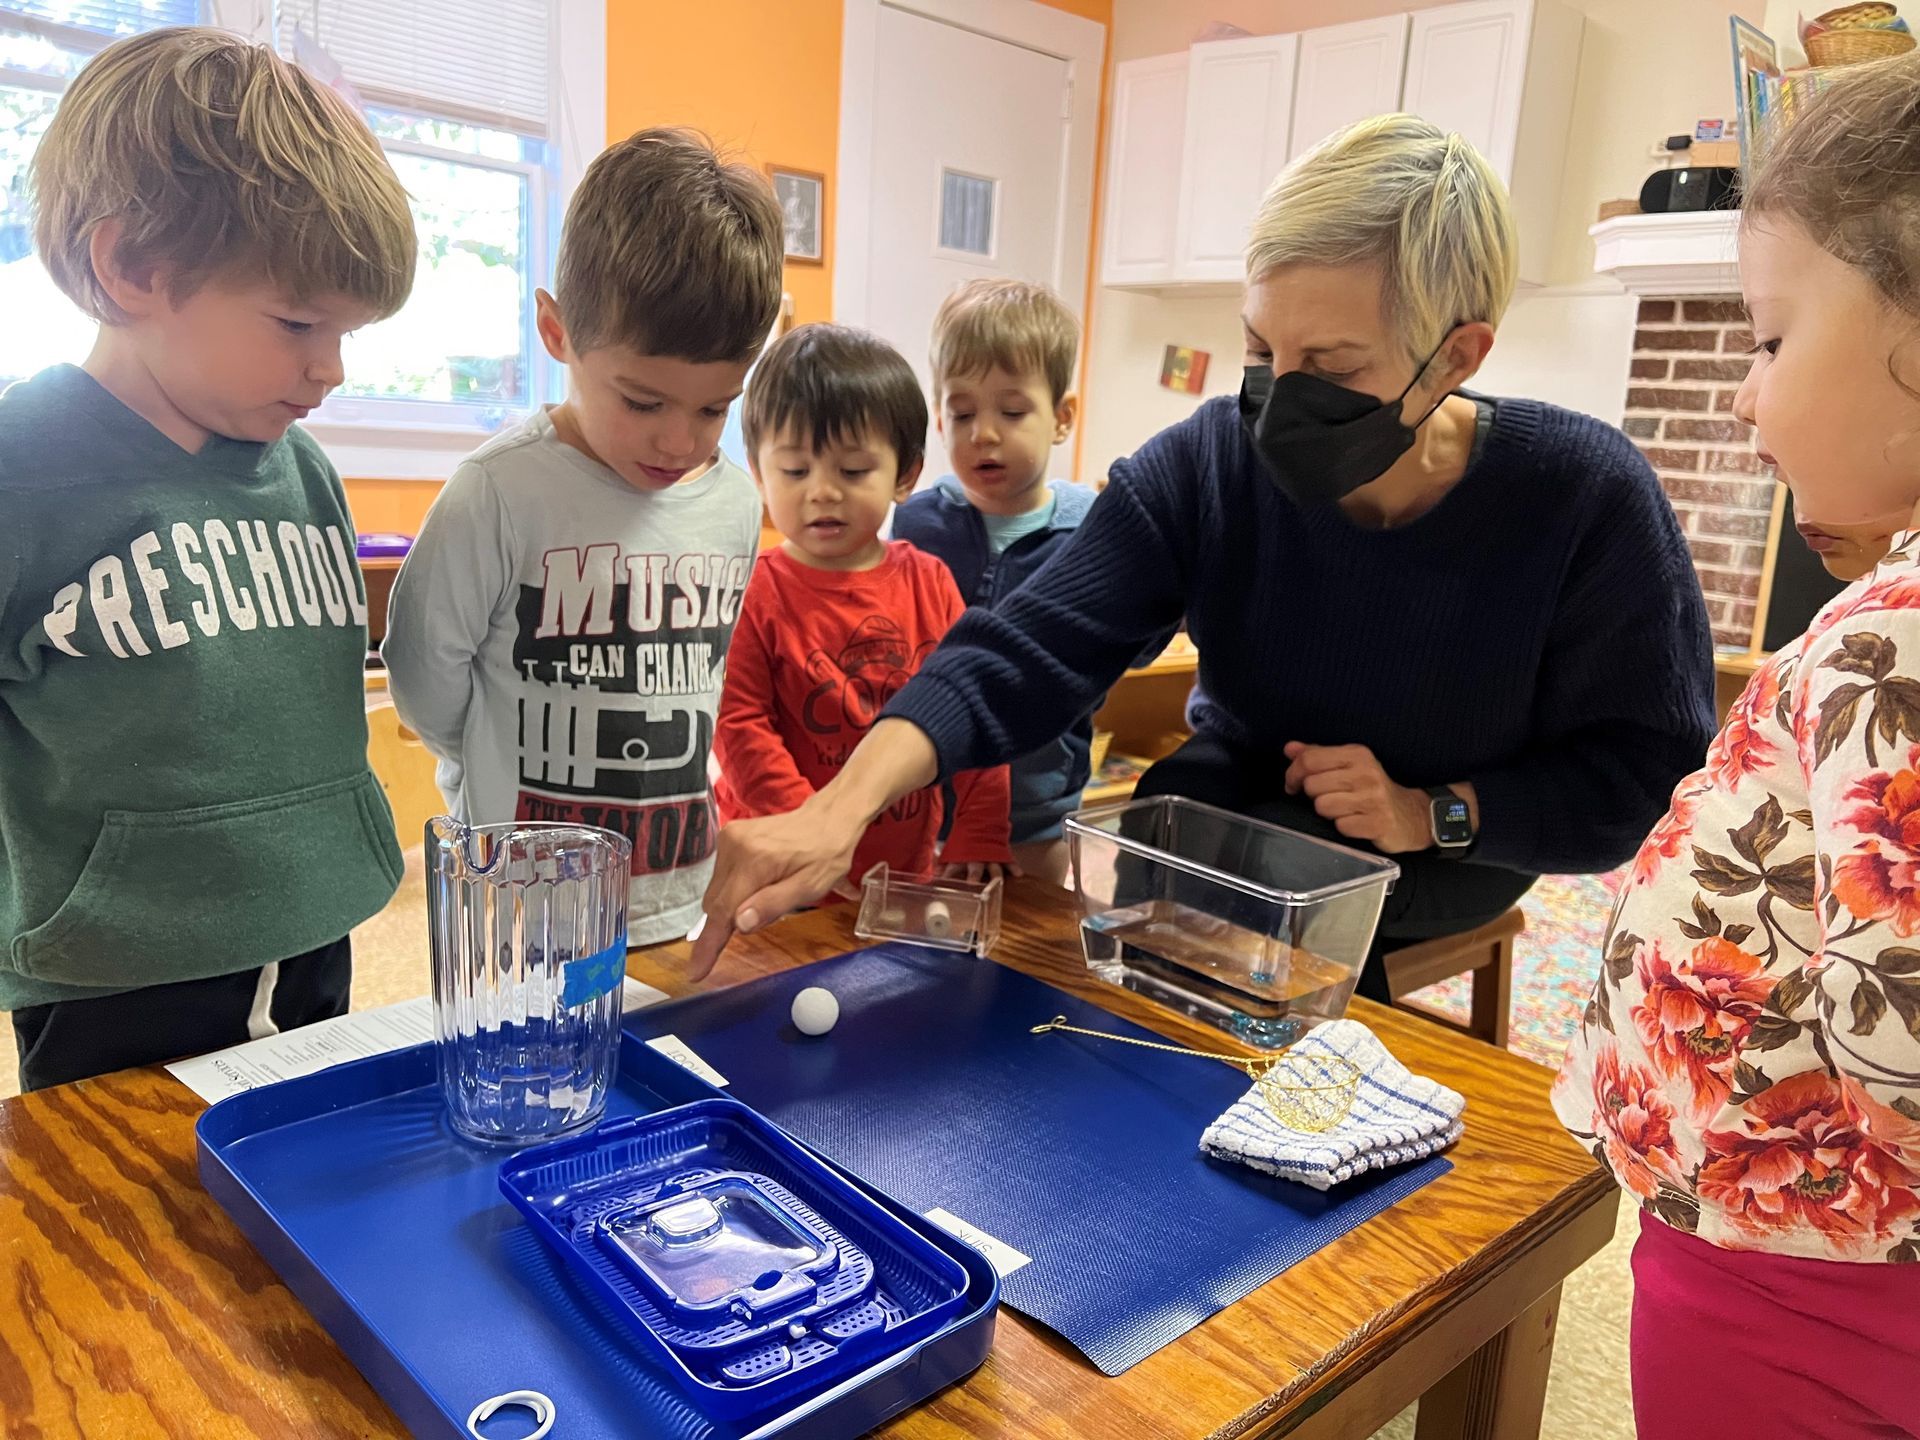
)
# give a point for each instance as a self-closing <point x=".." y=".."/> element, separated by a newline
<point x="1239" y="110"/>
<point x="1148" y="116"/>
<point x="1467" y="72"/>
<point x="1347" y="73"/>
<point x="968" y="177"/>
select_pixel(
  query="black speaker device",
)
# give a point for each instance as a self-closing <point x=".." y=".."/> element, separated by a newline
<point x="1692" y="187"/>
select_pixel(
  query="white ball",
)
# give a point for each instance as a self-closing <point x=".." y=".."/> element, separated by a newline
<point x="815" y="1011"/>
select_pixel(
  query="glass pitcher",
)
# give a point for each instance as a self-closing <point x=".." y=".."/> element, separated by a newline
<point x="528" y="928"/>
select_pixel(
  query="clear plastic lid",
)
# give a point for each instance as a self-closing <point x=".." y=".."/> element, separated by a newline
<point x="721" y="1246"/>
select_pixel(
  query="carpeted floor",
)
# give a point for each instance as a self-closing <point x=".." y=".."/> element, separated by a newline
<point x="1554" y="963"/>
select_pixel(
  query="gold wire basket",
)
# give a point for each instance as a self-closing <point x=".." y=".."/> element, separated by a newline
<point x="1309" y="1093"/>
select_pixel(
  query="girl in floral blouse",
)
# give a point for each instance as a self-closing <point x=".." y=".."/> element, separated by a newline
<point x="1749" y="1066"/>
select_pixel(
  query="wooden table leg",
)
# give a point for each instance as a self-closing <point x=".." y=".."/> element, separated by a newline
<point x="1500" y="1391"/>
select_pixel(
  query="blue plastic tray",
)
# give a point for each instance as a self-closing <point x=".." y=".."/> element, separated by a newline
<point x="1083" y="1155"/>
<point x="854" y="1283"/>
<point x="396" y="1236"/>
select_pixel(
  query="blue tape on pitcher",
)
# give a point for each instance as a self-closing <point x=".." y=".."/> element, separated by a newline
<point x="592" y="976"/>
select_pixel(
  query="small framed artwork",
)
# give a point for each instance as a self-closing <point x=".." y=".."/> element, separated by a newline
<point x="1184" y="369"/>
<point x="803" y="205"/>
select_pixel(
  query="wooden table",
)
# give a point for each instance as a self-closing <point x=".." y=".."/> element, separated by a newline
<point x="134" y="1308"/>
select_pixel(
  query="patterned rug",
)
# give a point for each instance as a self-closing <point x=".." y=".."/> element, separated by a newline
<point x="1554" y="961"/>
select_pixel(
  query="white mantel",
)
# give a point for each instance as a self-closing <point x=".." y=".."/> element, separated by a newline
<point x="1690" y="253"/>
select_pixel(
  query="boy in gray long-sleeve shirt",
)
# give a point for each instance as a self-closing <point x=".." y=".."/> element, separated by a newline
<point x="557" y="633"/>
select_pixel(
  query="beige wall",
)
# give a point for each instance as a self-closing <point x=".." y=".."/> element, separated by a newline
<point x="1648" y="69"/>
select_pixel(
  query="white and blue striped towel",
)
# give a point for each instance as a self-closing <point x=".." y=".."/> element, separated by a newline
<point x="1397" y="1116"/>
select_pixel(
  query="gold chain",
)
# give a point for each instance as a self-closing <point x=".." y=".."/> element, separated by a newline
<point x="1254" y="1065"/>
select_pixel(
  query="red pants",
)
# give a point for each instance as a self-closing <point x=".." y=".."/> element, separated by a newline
<point x="1738" y="1345"/>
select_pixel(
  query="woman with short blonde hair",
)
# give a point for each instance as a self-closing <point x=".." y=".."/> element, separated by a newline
<point x="1458" y="630"/>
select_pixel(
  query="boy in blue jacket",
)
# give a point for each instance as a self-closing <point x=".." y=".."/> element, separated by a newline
<point x="1003" y="361"/>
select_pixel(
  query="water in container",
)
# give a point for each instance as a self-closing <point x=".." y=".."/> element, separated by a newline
<point x="1251" y="927"/>
<point x="528" y="929"/>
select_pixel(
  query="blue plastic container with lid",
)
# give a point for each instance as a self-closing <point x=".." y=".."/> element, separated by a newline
<point x="754" y="1272"/>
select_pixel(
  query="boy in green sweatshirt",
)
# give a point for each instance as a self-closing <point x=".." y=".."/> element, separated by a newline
<point x="188" y="826"/>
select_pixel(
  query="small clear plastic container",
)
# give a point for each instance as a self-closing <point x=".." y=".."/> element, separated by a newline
<point x="946" y="914"/>
<point x="1256" y="929"/>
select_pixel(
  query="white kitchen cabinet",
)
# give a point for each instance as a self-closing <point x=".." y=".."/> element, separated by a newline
<point x="1239" y="114"/>
<point x="1197" y="137"/>
<point x="1347" y="72"/>
<point x="1502" y="74"/>
<point x="1146" y="123"/>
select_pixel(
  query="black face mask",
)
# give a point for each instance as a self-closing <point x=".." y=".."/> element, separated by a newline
<point x="1321" y="441"/>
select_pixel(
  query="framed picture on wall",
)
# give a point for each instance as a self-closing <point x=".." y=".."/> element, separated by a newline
<point x="803" y="205"/>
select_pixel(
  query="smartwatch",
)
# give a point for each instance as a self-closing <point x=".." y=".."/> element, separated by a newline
<point x="1451" y="820"/>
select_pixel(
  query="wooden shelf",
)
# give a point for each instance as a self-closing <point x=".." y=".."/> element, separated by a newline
<point x="1732" y="672"/>
<point x="1106" y="794"/>
<point x="1742" y="664"/>
<point x="1146" y="709"/>
<point x="1179" y="658"/>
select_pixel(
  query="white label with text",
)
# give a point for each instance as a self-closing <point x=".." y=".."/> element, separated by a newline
<point x="1003" y="1257"/>
<point x="678" y="1051"/>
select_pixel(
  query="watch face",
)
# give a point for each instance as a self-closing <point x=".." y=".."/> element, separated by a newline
<point x="1452" y="821"/>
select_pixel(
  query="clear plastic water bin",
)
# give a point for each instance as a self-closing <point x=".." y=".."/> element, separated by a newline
<point x="1256" y="929"/>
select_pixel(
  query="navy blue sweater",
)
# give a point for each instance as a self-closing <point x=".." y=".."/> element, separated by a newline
<point x="1539" y="632"/>
<point x="1046" y="783"/>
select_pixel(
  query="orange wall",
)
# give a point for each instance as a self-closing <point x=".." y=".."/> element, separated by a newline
<point x="771" y="90"/>
<point x="391" y="506"/>
<point x="760" y="79"/>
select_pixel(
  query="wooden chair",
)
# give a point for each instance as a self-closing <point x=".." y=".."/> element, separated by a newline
<point x="403" y="767"/>
<point x="1485" y="954"/>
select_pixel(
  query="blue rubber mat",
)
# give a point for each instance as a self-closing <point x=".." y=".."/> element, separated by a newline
<point x="1079" y="1154"/>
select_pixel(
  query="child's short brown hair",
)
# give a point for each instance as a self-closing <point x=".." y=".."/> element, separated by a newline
<point x="1009" y="324"/>
<point x="1847" y="170"/>
<point x="671" y="251"/>
<point x="218" y="159"/>
<point x="833" y="384"/>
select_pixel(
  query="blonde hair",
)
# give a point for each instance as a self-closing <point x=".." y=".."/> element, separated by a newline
<point x="670" y="250"/>
<point x="1397" y="192"/>
<point x="1847" y="170"/>
<point x="218" y="159"/>
<point x="1017" y="326"/>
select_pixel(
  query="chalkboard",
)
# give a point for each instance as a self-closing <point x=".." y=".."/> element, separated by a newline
<point x="1800" y="583"/>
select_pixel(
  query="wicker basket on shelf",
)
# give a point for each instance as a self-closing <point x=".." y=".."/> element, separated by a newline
<point x="1102" y="742"/>
<point x="1850" y="47"/>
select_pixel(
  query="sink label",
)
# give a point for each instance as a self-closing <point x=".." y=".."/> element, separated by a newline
<point x="1003" y="1257"/>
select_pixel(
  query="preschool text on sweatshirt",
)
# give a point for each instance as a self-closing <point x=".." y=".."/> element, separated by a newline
<point x="184" y="788"/>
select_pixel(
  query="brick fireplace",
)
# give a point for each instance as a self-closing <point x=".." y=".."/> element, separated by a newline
<point x="1689" y="356"/>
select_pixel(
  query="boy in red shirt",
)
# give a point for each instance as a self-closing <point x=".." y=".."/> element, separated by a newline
<point x="836" y="620"/>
